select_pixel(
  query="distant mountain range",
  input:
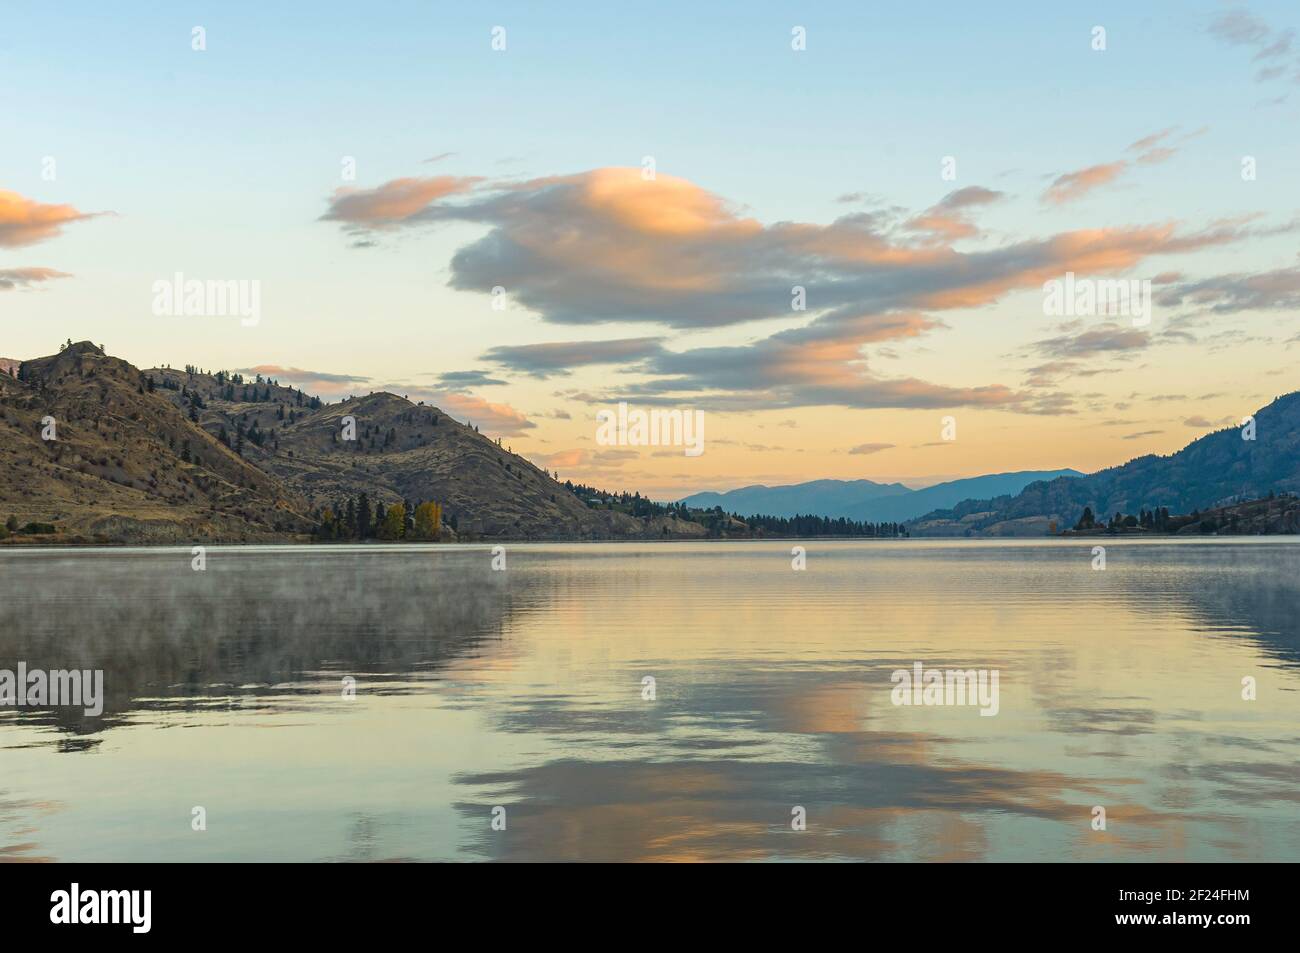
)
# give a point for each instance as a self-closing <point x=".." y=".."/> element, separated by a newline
<point x="865" y="500"/>
<point x="1212" y="471"/>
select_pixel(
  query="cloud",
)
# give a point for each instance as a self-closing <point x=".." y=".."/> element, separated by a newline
<point x="394" y="203"/>
<point x="454" y="379"/>
<point x="1151" y="150"/>
<point x="819" y="364"/>
<point x="948" y="219"/>
<point x="1075" y="185"/>
<point x="865" y="448"/>
<point x="25" y="221"/>
<point x="1047" y="375"/>
<point x="318" y="383"/>
<point x="585" y="459"/>
<point x="607" y="246"/>
<point x="1140" y="434"/>
<point x="557" y="358"/>
<point x="1238" y="28"/>
<point x="1146" y="143"/>
<point x="12" y="278"/>
<point x="1102" y="339"/>
<point x="491" y="418"/>
<point x="1224" y="294"/>
<point x="1241" y="28"/>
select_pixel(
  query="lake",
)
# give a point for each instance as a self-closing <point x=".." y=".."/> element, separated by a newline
<point x="368" y="703"/>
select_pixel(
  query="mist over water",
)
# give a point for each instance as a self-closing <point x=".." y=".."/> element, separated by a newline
<point x="523" y="689"/>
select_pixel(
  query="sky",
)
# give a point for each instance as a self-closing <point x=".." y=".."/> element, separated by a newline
<point x="648" y="188"/>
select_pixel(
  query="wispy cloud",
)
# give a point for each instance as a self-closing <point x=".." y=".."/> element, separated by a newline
<point x="1272" y="48"/>
<point x="25" y="221"/>
<point x="558" y="358"/>
<point x="13" y="278"/>
<point x="399" y="202"/>
<point x="1149" y="150"/>
<point x="455" y="379"/>
<point x="1099" y="340"/>
<point x="1267" y="290"/>
<point x="320" y="383"/>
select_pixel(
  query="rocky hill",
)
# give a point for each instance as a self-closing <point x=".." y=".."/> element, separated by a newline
<point x="174" y="455"/>
<point x="402" y="452"/>
<point x="122" y="463"/>
<point x="1213" y="471"/>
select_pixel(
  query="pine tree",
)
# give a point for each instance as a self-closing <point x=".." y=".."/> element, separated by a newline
<point x="363" y="517"/>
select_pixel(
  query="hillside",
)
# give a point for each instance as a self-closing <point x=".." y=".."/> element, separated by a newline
<point x="125" y="464"/>
<point x="1212" y="471"/>
<point x="1273" y="515"/>
<point x="864" y="500"/>
<point x="403" y="452"/>
<point x="178" y="455"/>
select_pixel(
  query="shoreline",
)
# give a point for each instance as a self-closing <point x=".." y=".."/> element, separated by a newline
<point x="30" y="544"/>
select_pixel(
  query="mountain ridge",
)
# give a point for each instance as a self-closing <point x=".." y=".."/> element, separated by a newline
<point x="1212" y="471"/>
<point x="863" y="500"/>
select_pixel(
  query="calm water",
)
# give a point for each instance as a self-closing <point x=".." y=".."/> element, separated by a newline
<point x="523" y="689"/>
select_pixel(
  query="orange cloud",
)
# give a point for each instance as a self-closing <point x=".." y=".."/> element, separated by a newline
<point x="1075" y="185"/>
<point x="497" y="419"/>
<point x="948" y="219"/>
<point x="393" y="203"/>
<point x="25" y="221"/>
<point x="11" y="278"/>
<point x="608" y="245"/>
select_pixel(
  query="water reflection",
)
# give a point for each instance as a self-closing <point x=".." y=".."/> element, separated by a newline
<point x="256" y="623"/>
<point x="523" y="689"/>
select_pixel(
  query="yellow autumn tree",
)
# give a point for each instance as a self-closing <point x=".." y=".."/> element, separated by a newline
<point x="428" y="520"/>
<point x="394" y="525"/>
